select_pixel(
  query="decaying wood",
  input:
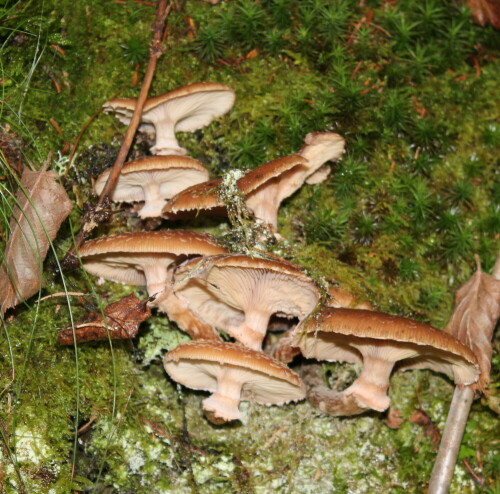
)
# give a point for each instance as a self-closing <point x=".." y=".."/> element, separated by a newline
<point x="41" y="206"/>
<point x="121" y="320"/>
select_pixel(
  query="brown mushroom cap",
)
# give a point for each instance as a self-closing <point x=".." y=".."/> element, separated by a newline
<point x="239" y="293"/>
<point x="264" y="188"/>
<point x="154" y="179"/>
<point x="184" y="109"/>
<point x="232" y="373"/>
<point x="379" y="340"/>
<point x="142" y="258"/>
<point x="200" y="197"/>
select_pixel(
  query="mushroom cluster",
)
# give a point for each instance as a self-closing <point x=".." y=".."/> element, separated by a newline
<point x="214" y="295"/>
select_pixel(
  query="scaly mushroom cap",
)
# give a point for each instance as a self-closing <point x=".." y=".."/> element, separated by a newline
<point x="232" y="373"/>
<point x="142" y="258"/>
<point x="200" y="197"/>
<point x="184" y="109"/>
<point x="154" y="179"/>
<point x="320" y="147"/>
<point x="264" y="188"/>
<point x="379" y="340"/>
<point x="238" y="293"/>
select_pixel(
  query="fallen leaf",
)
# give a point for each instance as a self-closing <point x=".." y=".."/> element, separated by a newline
<point x="252" y="54"/>
<point x="419" y="417"/>
<point x="121" y="321"/>
<point x="477" y="309"/>
<point x="41" y="206"/>
<point x="485" y="12"/>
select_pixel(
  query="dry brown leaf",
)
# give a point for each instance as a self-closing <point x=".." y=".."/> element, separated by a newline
<point x="41" y="206"/>
<point x="485" y="12"/>
<point x="477" y="309"/>
<point x="121" y="321"/>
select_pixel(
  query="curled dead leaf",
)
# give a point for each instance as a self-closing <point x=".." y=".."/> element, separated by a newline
<point x="485" y="12"/>
<point x="41" y="206"/>
<point x="477" y="309"/>
<point x="121" y="321"/>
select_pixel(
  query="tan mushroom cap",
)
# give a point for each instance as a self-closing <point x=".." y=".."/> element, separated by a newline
<point x="184" y="109"/>
<point x="200" y="197"/>
<point x="154" y="179"/>
<point x="128" y="104"/>
<point x="320" y="147"/>
<point x="232" y="373"/>
<point x="238" y="293"/>
<point x="379" y="340"/>
<point x="264" y="188"/>
<point x="142" y="258"/>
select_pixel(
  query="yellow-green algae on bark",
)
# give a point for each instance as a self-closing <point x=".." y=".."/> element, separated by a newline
<point x="397" y="222"/>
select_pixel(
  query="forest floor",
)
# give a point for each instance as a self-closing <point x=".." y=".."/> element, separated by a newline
<point x="411" y="85"/>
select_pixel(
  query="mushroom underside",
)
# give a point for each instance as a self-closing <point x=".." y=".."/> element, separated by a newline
<point x="241" y="301"/>
<point x="230" y="384"/>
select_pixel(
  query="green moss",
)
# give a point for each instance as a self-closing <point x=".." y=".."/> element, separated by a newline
<point x="397" y="223"/>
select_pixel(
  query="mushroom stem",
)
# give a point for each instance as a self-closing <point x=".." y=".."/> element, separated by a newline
<point x="446" y="459"/>
<point x="266" y="210"/>
<point x="252" y="331"/>
<point x="325" y="399"/>
<point x="153" y="201"/>
<point x="369" y="389"/>
<point x="223" y="404"/>
<point x="156" y="277"/>
<point x="178" y="311"/>
<point x="166" y="142"/>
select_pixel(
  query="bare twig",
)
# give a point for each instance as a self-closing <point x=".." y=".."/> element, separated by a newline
<point x="162" y="11"/>
<point x="82" y="131"/>
<point x="62" y="294"/>
<point x="163" y="8"/>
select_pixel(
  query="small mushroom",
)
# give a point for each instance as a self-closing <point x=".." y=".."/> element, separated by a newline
<point x="238" y="293"/>
<point x="378" y="341"/>
<point x="264" y="189"/>
<point x="143" y="258"/>
<point x="184" y="109"/>
<point x="285" y="351"/>
<point x="232" y="373"/>
<point x="153" y="180"/>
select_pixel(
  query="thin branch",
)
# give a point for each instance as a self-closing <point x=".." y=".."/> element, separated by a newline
<point x="162" y="11"/>
<point x="97" y="214"/>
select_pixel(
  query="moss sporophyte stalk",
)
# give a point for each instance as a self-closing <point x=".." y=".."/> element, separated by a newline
<point x="410" y="87"/>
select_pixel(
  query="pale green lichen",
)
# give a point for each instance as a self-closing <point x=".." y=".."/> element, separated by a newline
<point x="158" y="336"/>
